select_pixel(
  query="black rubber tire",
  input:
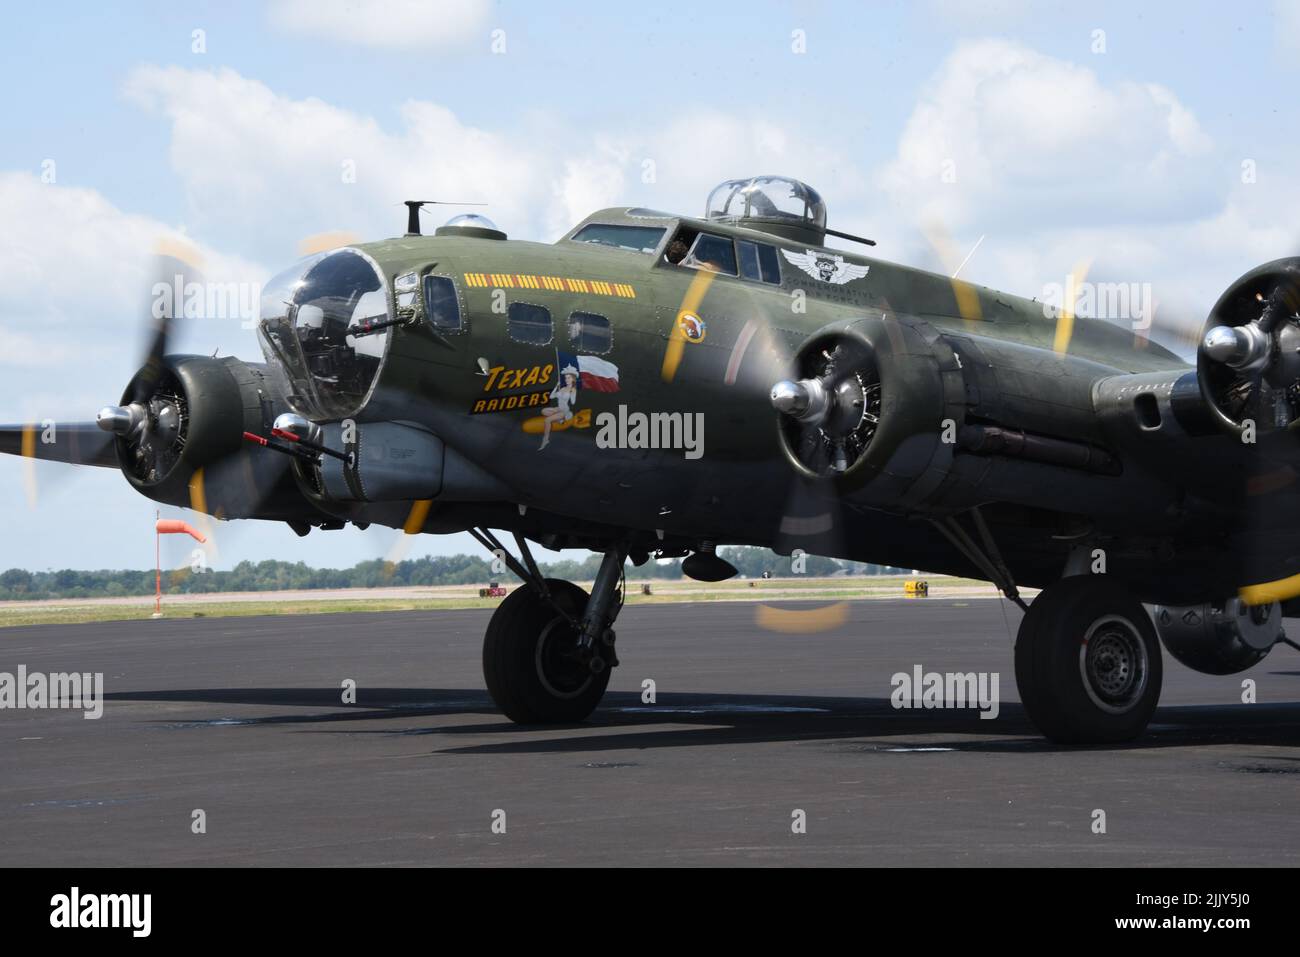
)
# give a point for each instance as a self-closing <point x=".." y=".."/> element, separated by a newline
<point x="1050" y="674"/>
<point x="520" y="682"/>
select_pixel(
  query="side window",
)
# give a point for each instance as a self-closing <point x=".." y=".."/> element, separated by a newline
<point x="770" y="263"/>
<point x="441" y="305"/>
<point x="713" y="252"/>
<point x="589" y="332"/>
<point x="526" y="322"/>
<point x="758" y="261"/>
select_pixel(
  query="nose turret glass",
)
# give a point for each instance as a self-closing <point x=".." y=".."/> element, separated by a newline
<point x="311" y="315"/>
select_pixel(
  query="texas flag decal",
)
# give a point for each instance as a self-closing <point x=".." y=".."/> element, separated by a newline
<point x="593" y="372"/>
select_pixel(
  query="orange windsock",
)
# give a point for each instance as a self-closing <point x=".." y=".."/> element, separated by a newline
<point x="174" y="526"/>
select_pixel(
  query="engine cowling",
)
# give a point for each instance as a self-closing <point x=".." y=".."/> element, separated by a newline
<point x="1248" y="363"/>
<point x="867" y="403"/>
<point x="1220" y="638"/>
<point x="183" y="444"/>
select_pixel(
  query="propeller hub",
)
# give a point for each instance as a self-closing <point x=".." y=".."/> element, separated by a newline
<point x="1241" y="347"/>
<point x="119" y="420"/>
<point x="805" y="399"/>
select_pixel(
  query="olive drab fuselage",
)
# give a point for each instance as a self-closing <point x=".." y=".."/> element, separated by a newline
<point x="694" y="342"/>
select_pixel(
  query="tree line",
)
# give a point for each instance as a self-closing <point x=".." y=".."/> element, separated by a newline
<point x="19" y="584"/>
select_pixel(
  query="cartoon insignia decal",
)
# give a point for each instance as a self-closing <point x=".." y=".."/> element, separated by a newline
<point x="576" y="373"/>
<point x="826" y="266"/>
<point x="691" y="326"/>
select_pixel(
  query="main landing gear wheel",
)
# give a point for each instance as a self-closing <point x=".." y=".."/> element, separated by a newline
<point x="534" y="668"/>
<point x="1088" y="663"/>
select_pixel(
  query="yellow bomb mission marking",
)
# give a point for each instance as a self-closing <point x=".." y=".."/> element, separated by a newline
<point x="507" y="280"/>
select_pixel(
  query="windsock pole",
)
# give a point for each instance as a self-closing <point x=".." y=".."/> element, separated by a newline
<point x="161" y="527"/>
<point x="157" y="566"/>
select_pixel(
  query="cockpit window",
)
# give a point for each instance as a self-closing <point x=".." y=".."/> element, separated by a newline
<point x="642" y="239"/>
<point x="750" y="260"/>
<point x="712" y="252"/>
<point x="769" y="263"/>
<point x="758" y="261"/>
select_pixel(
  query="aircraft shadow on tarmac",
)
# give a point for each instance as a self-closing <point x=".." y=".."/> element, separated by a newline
<point x="693" y="720"/>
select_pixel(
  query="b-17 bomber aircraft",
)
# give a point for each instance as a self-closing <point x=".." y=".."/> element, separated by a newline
<point x="658" y="385"/>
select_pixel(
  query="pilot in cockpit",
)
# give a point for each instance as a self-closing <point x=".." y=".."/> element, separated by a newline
<point x="677" y="250"/>
<point x="688" y="248"/>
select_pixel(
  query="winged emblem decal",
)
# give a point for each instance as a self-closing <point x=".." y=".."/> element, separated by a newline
<point x="826" y="266"/>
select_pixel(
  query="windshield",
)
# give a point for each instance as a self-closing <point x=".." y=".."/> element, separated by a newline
<point x="309" y="317"/>
<point x="642" y="239"/>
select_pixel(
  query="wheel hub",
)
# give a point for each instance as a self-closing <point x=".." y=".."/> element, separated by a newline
<point x="1113" y="661"/>
<point x="561" y="667"/>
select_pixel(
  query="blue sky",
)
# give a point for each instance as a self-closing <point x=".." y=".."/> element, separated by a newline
<point x="1127" y="153"/>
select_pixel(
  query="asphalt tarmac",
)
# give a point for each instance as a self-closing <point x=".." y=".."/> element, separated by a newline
<point x="243" y="720"/>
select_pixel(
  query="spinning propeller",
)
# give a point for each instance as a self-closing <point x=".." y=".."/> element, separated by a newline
<point x="152" y="422"/>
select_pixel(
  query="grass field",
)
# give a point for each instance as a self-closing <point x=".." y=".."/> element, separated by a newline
<point x="465" y="596"/>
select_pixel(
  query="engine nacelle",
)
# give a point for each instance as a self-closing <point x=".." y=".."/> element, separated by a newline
<point x="1218" y="638"/>
<point x="1248" y="364"/>
<point x="184" y="445"/>
<point x="867" y="403"/>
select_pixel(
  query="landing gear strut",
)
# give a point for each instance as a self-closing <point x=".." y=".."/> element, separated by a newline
<point x="1088" y="662"/>
<point x="549" y="646"/>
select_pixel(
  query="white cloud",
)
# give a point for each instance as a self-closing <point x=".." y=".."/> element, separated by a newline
<point x="268" y="169"/>
<point x="67" y="242"/>
<point x="588" y="183"/>
<point x="1055" y="167"/>
<point x="395" y="24"/>
<point x="273" y="169"/>
<point x="674" y="166"/>
<point x="1027" y="137"/>
<point x="75" y="276"/>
